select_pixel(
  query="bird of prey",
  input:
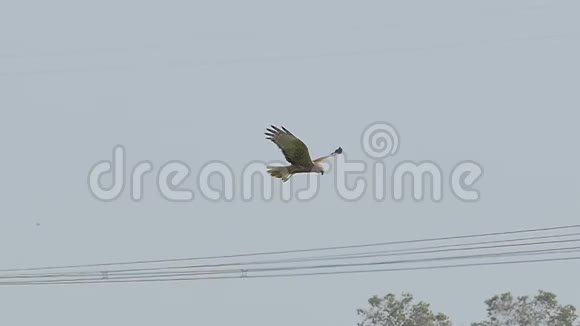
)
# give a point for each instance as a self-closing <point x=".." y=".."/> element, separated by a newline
<point x="296" y="153"/>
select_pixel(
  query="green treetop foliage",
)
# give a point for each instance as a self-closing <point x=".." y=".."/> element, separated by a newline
<point x="389" y="311"/>
<point x="502" y="310"/>
<point x="541" y="310"/>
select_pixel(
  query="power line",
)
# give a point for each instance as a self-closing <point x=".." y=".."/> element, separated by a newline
<point x="425" y="268"/>
<point x="161" y="275"/>
<point x="351" y="256"/>
<point x="550" y="244"/>
<point x="573" y="258"/>
<point x="268" y="253"/>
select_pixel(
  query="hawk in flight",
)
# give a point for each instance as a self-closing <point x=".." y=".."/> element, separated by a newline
<point x="296" y="153"/>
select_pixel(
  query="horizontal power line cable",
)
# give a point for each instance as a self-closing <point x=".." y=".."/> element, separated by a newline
<point x="421" y="268"/>
<point x="453" y="248"/>
<point x="396" y="252"/>
<point x="333" y="266"/>
<point x="267" y="253"/>
<point x="465" y="244"/>
<point x="347" y="256"/>
<point x="288" y="275"/>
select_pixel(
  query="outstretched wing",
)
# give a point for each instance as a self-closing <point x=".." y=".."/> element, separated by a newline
<point x="336" y="152"/>
<point x="294" y="150"/>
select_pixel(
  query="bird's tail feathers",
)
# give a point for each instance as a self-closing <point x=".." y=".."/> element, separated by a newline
<point x="281" y="172"/>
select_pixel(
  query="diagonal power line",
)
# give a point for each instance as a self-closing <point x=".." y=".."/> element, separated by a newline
<point x="269" y="253"/>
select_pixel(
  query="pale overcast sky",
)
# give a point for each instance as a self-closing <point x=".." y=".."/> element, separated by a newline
<point x="492" y="81"/>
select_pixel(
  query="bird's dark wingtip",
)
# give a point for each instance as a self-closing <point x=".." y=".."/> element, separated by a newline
<point x="277" y="130"/>
<point x="338" y="150"/>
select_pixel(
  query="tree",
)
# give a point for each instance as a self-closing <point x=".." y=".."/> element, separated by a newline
<point x="388" y="311"/>
<point x="541" y="310"/>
